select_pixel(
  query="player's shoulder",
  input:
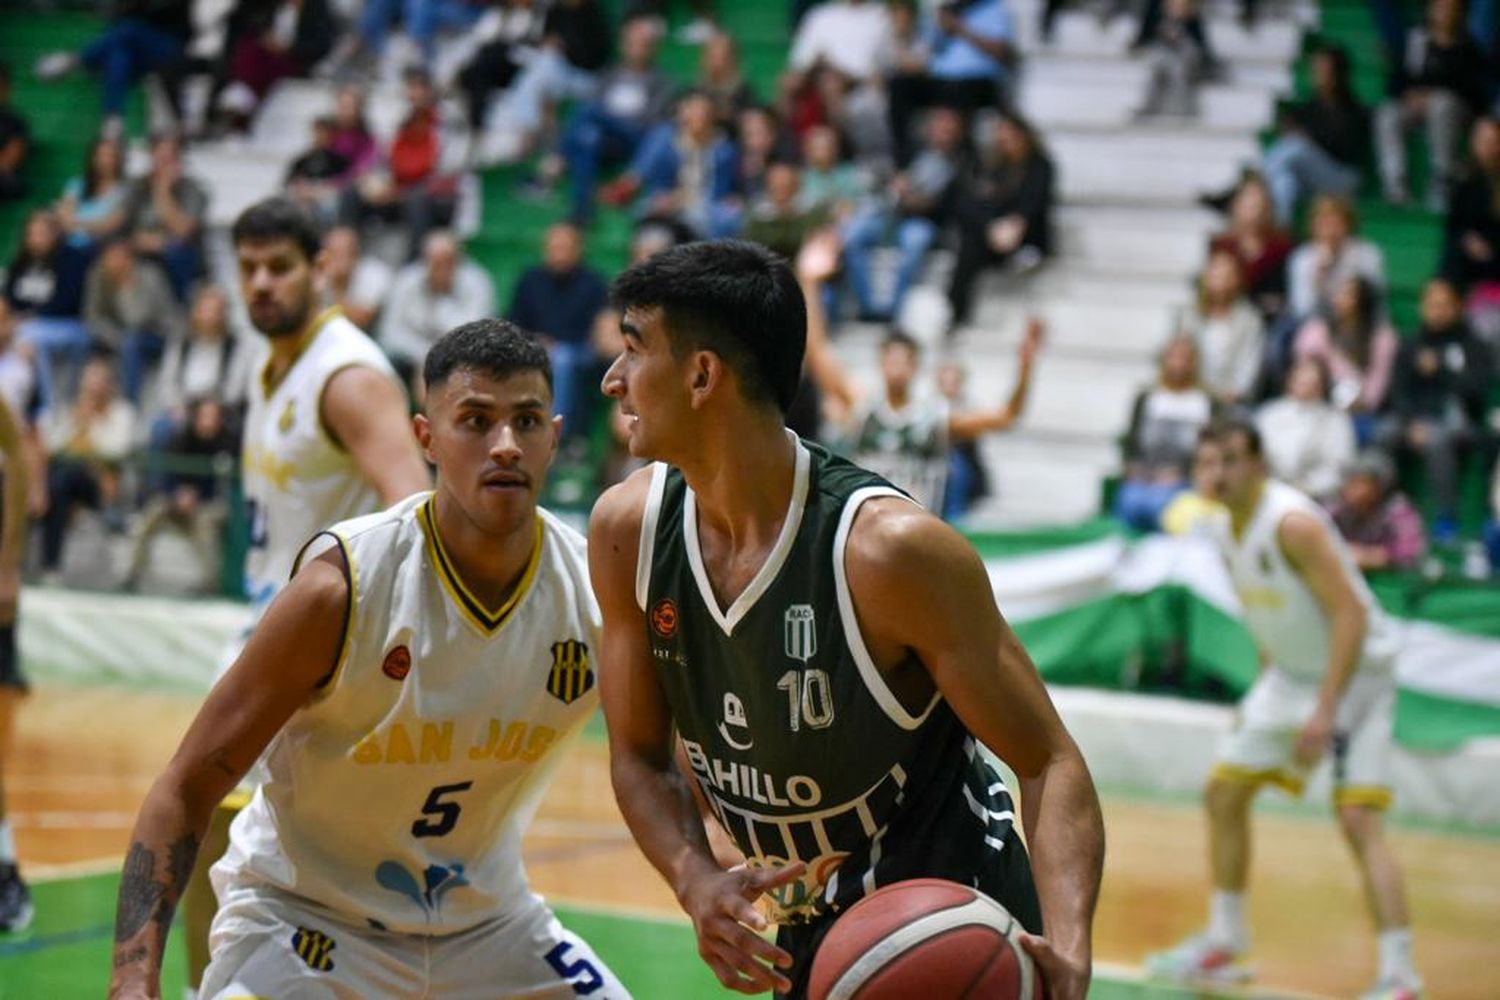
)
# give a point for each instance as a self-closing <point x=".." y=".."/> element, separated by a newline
<point x="619" y="512"/>
<point x="569" y="544"/>
<point x="892" y="532"/>
<point x="382" y="523"/>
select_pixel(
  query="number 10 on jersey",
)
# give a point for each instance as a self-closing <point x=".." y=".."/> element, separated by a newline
<point x="809" y="698"/>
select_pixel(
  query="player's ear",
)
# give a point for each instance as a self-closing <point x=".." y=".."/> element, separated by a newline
<point x="422" y="428"/>
<point x="704" y="375"/>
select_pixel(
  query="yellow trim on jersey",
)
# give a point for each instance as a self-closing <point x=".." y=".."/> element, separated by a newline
<point x="304" y="341"/>
<point x="236" y="800"/>
<point x="1285" y="780"/>
<point x="487" y="621"/>
<point x="1363" y="795"/>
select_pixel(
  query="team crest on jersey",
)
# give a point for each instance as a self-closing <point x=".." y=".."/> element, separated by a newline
<point x="288" y="417"/>
<point x="801" y="632"/>
<point x="570" y="677"/>
<point x="315" y="948"/>
<point x="397" y="663"/>
<point x="664" y="618"/>
<point x="1265" y="562"/>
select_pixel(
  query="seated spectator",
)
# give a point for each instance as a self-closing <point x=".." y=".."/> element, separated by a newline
<point x="1322" y="143"/>
<point x="1308" y="440"/>
<point x="972" y="46"/>
<point x="1438" y="82"/>
<point x="1258" y="243"/>
<point x="1332" y="254"/>
<point x="720" y="77"/>
<point x="1158" y="445"/>
<point x="777" y="219"/>
<point x="511" y="30"/>
<point x="1178" y="62"/>
<point x="684" y="172"/>
<point x="419" y="186"/>
<point x="44" y="287"/>
<point x="88" y="440"/>
<point x="1005" y="210"/>
<point x="560" y="300"/>
<point x="1378" y="521"/>
<point x="268" y="41"/>
<point x="189" y="499"/>
<point x="574" y="50"/>
<point x="354" y="281"/>
<point x="428" y="298"/>
<point x="759" y="141"/>
<point x="164" y="215"/>
<point x="847" y="36"/>
<point x="1471" y="245"/>
<point x="633" y="99"/>
<point x="829" y="181"/>
<point x="92" y="206"/>
<point x="421" y="20"/>
<point x="1230" y="334"/>
<point x="922" y="202"/>
<point x="316" y="177"/>
<point x="131" y="311"/>
<point x="21" y="390"/>
<point x="352" y="138"/>
<point x="1200" y="511"/>
<point x="143" y="37"/>
<point x="1437" y="398"/>
<point x="208" y="362"/>
<point x="1359" y="347"/>
<point x="15" y="141"/>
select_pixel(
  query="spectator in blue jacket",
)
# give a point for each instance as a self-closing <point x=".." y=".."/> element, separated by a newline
<point x="685" y="173"/>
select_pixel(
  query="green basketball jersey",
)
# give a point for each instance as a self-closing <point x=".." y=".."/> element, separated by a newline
<point x="909" y="447"/>
<point x="799" y="746"/>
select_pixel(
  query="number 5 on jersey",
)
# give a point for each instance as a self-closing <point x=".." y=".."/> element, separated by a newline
<point x="439" y="817"/>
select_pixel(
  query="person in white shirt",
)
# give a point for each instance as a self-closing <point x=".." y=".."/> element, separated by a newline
<point x="429" y="297"/>
<point x="1332" y="255"/>
<point x="1309" y="441"/>
<point x="354" y="281"/>
<point x="413" y="690"/>
<point x="1327" y="689"/>
<point x="851" y="36"/>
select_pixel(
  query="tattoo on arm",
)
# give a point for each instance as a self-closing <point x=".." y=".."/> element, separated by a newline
<point x="147" y="898"/>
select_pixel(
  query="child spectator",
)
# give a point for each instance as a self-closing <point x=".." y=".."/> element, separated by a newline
<point x="1383" y="529"/>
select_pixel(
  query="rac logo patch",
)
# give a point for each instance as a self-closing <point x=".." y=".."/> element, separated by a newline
<point x="315" y="948"/>
<point x="397" y="663"/>
<point x="664" y="618"/>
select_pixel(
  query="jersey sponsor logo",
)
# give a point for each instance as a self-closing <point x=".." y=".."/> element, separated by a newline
<point x="431" y="742"/>
<point x="435" y="882"/>
<point x="749" y="782"/>
<point x="734" y="715"/>
<point x="664" y="618"/>
<point x="570" y="677"/>
<point x="315" y="948"/>
<point x="801" y="632"/>
<point x="397" y="663"/>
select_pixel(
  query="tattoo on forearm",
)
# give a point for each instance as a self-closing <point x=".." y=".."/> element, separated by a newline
<point x="132" y="956"/>
<point x="139" y="892"/>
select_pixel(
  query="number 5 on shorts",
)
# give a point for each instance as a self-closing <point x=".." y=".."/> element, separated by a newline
<point x="591" y="981"/>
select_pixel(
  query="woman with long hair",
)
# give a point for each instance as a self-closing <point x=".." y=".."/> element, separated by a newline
<point x="1358" y="344"/>
<point x="1261" y="245"/>
<point x="1230" y="334"/>
<point x="91" y="207"/>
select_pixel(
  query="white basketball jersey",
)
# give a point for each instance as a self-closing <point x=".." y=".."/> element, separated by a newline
<point x="1286" y="619"/>
<point x="297" y="481"/>
<point x="400" y="794"/>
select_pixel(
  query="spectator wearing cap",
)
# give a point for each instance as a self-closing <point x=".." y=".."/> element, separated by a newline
<point x="1382" y="527"/>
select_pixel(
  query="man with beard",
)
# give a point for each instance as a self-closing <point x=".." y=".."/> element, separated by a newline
<point x="326" y="438"/>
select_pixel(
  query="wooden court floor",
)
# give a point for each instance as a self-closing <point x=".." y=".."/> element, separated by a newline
<point x="86" y="756"/>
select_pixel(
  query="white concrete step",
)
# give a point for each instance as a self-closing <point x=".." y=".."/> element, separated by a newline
<point x="1150" y="162"/>
<point x="1046" y="66"/>
<point x="1080" y="34"/>
<point x="237" y="177"/>
<point x="1092" y="103"/>
<point x="1037" y="480"/>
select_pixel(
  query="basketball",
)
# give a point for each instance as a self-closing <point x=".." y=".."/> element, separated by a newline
<point x="925" y="938"/>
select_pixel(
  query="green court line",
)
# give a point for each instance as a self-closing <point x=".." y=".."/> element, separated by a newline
<point x="66" y="953"/>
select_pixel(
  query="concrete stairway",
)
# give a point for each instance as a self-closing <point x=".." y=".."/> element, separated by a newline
<point x="1129" y="240"/>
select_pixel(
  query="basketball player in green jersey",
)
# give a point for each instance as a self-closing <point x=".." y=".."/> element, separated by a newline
<point x="829" y="655"/>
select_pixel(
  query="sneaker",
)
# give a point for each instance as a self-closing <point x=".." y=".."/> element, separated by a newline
<point x="55" y="65"/>
<point x="1393" y="988"/>
<point x="1199" y="959"/>
<point x="15" y="901"/>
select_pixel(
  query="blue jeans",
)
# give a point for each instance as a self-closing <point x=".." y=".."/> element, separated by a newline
<point x="592" y="138"/>
<point x="1296" y="167"/>
<point x="127" y="51"/>
<point x="59" y="342"/>
<point x="140" y="352"/>
<point x="570" y="363"/>
<point x="865" y="232"/>
<point x="423" y="20"/>
<point x="546" y="79"/>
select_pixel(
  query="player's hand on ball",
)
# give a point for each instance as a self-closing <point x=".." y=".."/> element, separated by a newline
<point x="1064" y="977"/>
<point x="728" y="925"/>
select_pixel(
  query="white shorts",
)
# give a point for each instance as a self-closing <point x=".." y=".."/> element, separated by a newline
<point x="1262" y="747"/>
<point x="268" y="943"/>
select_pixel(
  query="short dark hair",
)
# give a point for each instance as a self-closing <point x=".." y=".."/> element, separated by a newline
<point x="1224" y="428"/>
<point x="494" y="347"/>
<point x="897" y="337"/>
<point x="278" y="218"/>
<point x="736" y="299"/>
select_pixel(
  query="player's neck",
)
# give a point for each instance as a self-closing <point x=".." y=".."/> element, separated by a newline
<point x="285" y="350"/>
<point x="490" y="566"/>
<point x="1241" y="514"/>
<point x="743" y="479"/>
